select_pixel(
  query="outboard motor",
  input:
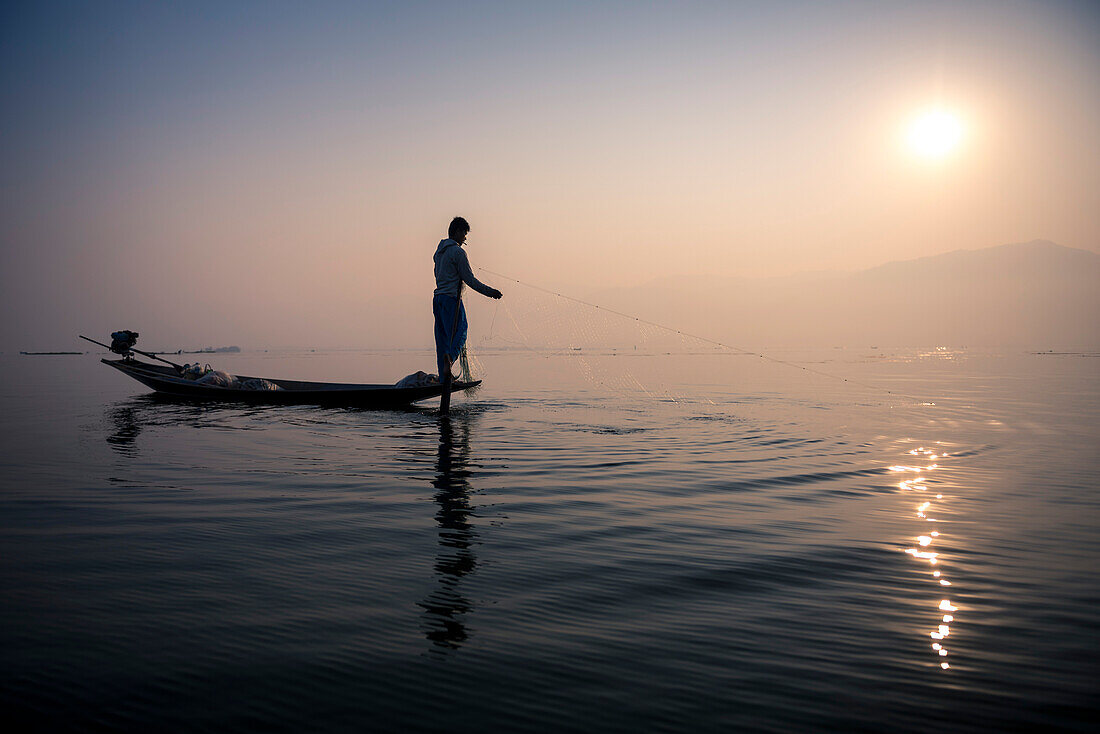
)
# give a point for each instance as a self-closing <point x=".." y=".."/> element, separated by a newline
<point x="123" y="341"/>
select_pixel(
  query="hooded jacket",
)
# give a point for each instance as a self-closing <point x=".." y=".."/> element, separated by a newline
<point x="452" y="269"/>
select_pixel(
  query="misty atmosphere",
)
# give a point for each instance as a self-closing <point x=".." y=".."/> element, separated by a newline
<point x="1034" y="295"/>
<point x="602" y="367"/>
<point x="161" y="175"/>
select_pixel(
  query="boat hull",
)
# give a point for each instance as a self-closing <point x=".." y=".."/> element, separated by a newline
<point x="165" y="381"/>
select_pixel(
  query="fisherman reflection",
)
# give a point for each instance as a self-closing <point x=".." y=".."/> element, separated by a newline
<point x="445" y="608"/>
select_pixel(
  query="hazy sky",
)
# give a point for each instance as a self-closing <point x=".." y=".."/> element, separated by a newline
<point x="280" y="173"/>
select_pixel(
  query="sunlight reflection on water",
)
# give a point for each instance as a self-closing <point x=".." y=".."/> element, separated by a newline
<point x="926" y="512"/>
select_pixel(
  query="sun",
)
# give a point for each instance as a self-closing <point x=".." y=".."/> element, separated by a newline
<point x="935" y="134"/>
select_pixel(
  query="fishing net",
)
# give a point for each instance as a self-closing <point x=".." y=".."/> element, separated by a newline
<point x="636" y="356"/>
<point x="613" y="353"/>
<point x="465" y="360"/>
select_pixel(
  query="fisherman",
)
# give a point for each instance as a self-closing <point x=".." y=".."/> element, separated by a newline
<point x="452" y="269"/>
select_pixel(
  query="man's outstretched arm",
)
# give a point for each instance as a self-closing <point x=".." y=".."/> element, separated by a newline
<point x="467" y="275"/>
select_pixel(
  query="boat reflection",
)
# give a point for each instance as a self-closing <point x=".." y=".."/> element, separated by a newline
<point x="925" y="511"/>
<point x="446" y="607"/>
<point x="123" y="418"/>
<point x="126" y="419"/>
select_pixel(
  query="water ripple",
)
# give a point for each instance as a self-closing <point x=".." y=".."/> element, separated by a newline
<point x="556" y="558"/>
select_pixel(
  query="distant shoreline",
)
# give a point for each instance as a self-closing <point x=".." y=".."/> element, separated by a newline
<point x="41" y="354"/>
<point x="208" y="350"/>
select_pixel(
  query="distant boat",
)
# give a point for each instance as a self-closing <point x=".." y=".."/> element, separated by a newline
<point x="167" y="380"/>
<point x="210" y="350"/>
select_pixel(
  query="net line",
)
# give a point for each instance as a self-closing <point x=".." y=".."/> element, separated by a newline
<point x="706" y="340"/>
<point x="588" y="343"/>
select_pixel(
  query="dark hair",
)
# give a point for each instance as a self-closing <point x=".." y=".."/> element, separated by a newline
<point x="459" y="226"/>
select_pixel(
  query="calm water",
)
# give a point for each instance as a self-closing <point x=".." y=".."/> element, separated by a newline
<point x="594" y="542"/>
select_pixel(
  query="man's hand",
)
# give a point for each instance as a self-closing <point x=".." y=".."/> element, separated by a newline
<point x="496" y="294"/>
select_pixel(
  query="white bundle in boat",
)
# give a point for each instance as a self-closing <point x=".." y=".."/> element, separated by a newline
<point x="418" y="379"/>
<point x="258" y="383"/>
<point x="217" y="378"/>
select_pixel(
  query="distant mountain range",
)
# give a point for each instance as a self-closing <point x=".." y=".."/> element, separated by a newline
<point x="1034" y="294"/>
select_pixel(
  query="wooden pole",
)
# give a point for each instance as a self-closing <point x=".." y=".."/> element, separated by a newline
<point x="445" y="398"/>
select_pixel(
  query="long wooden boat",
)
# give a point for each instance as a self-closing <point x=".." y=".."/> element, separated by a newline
<point x="166" y="380"/>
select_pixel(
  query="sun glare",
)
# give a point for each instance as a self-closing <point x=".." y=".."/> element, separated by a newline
<point x="935" y="134"/>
